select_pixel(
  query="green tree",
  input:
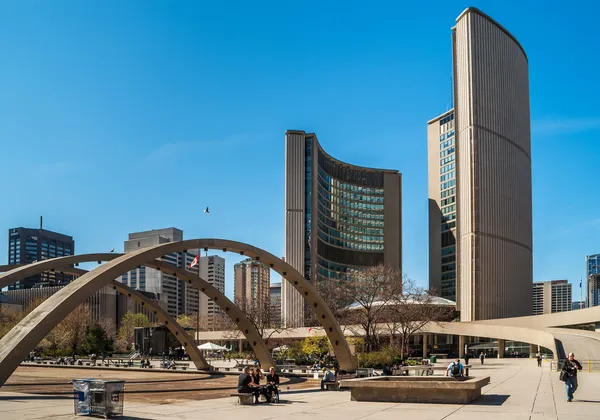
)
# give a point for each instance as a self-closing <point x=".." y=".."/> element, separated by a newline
<point x="186" y="321"/>
<point x="315" y="346"/>
<point x="96" y="340"/>
<point x="128" y="323"/>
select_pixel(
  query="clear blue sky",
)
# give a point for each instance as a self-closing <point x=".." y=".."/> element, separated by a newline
<point x="120" y="116"/>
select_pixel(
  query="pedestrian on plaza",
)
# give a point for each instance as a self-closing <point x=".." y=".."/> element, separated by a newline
<point x="569" y="373"/>
<point x="467" y="357"/>
<point x="539" y="359"/>
<point x="481" y="357"/>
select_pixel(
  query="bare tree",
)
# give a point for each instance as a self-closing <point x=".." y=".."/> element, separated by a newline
<point x="413" y="308"/>
<point x="371" y="290"/>
<point x="71" y="330"/>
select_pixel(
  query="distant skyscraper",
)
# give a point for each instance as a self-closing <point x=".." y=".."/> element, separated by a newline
<point x="592" y="268"/>
<point x="552" y="296"/>
<point x="212" y="269"/>
<point x="275" y="297"/>
<point x="26" y="246"/>
<point x="339" y="218"/>
<point x="252" y="280"/>
<point x="479" y="156"/>
<point x="176" y="297"/>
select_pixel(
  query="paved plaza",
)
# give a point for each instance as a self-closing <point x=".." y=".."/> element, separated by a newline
<point x="518" y="390"/>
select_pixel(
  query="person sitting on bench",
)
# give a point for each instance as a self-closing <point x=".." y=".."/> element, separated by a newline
<point x="246" y="386"/>
<point x="272" y="383"/>
<point x="329" y="376"/>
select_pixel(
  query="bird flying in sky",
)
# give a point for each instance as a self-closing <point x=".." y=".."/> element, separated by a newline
<point x="206" y="210"/>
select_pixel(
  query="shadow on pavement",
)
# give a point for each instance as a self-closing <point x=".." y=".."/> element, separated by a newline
<point x="491" y="399"/>
<point x="36" y="397"/>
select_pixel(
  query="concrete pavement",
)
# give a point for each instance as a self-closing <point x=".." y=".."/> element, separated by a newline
<point x="518" y="390"/>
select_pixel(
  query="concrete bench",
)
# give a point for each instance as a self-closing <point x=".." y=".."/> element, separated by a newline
<point x="331" y="385"/>
<point x="407" y="389"/>
<point x="244" y="398"/>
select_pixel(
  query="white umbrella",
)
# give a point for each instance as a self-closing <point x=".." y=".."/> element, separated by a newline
<point x="280" y="349"/>
<point x="211" y="346"/>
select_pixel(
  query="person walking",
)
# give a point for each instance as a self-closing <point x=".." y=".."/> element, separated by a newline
<point x="481" y="357"/>
<point x="539" y="359"/>
<point x="571" y="367"/>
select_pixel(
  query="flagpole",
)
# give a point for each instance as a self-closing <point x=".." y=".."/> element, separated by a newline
<point x="198" y="304"/>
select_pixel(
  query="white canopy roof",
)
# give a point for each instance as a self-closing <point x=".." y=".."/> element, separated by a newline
<point x="212" y="346"/>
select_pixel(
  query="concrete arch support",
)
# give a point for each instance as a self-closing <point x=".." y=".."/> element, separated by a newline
<point x="15" y="345"/>
<point x="177" y="330"/>
<point x="15" y="273"/>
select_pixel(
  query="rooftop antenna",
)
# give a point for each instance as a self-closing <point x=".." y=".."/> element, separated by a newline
<point x="41" y="222"/>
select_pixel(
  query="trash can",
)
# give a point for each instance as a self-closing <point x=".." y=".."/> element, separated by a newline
<point x="432" y="359"/>
<point x="99" y="397"/>
<point x="81" y="394"/>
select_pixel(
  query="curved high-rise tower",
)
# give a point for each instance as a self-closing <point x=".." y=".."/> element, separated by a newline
<point x="338" y="218"/>
<point x="491" y="228"/>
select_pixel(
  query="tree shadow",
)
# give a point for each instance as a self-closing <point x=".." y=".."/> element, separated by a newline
<point x="491" y="399"/>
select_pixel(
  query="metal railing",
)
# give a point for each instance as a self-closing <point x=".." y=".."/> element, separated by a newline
<point x="587" y="365"/>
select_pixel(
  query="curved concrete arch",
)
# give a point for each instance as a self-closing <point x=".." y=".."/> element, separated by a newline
<point x="558" y="319"/>
<point x="180" y="334"/>
<point x="19" y="272"/>
<point x="233" y="311"/>
<point x="36" y="325"/>
<point x="505" y="332"/>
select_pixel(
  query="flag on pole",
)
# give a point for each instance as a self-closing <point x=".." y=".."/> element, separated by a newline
<point x="580" y="282"/>
<point x="195" y="262"/>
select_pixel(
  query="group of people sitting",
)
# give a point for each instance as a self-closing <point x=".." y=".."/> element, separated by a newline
<point x="249" y="383"/>
<point x="389" y="370"/>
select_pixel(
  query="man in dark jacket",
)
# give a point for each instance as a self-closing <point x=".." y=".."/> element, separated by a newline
<point x="245" y="385"/>
<point x="571" y="367"/>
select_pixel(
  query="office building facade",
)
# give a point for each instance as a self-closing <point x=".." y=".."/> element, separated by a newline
<point x="212" y="269"/>
<point x="593" y="290"/>
<point x="275" y="300"/>
<point x="175" y="296"/>
<point x="551" y="296"/>
<point x="339" y="218"/>
<point x="251" y="287"/>
<point x="488" y="246"/>
<point x="26" y="246"/>
<point x="592" y="268"/>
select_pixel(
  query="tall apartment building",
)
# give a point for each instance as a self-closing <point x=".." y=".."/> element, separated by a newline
<point x="479" y="157"/>
<point x="176" y="297"/>
<point x="593" y="291"/>
<point x="252" y="281"/>
<point x="275" y="298"/>
<point x="26" y="246"/>
<point x="212" y="269"/>
<point x="339" y="218"/>
<point x="552" y="296"/>
<point x="592" y="268"/>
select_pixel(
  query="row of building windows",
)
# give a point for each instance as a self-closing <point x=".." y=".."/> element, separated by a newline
<point x="449" y="209"/>
<point x="372" y="195"/>
<point x="447" y="176"/>
<point x="447" y="168"/>
<point x="448" y="184"/>
<point x="449" y="217"/>
<point x="372" y="182"/>
<point x="447" y="201"/>
<point x="447" y="143"/>
<point x="357" y="205"/>
<point x="348" y="244"/>
<point x="447" y="159"/>
<point x="447" y="152"/>
<point x="354" y="228"/>
<point x="342" y="210"/>
<point x="447" y="135"/>
<point x="448" y="193"/>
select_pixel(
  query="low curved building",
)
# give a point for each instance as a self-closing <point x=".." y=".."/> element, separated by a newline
<point x="339" y="217"/>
